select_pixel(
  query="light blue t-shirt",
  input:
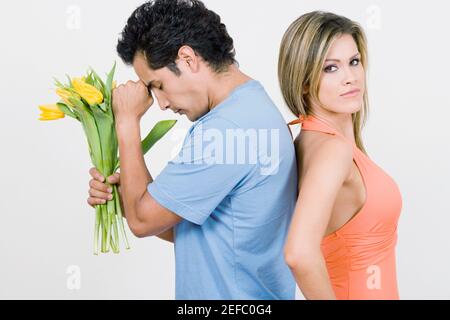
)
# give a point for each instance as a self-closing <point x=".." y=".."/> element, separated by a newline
<point x="234" y="183"/>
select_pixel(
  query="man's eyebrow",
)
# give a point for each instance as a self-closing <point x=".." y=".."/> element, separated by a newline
<point x="149" y="86"/>
<point x="153" y="83"/>
<point x="337" y="60"/>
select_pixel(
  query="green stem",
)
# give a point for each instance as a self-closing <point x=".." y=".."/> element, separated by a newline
<point x="110" y="212"/>
<point x="104" y="228"/>
<point x="91" y="129"/>
<point x="114" y="245"/>
<point x="120" y="217"/>
<point x="96" y="228"/>
<point x="108" y="231"/>
<point x="116" y="234"/>
<point x="116" y="231"/>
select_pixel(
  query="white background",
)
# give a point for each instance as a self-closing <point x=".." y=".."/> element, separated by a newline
<point x="46" y="226"/>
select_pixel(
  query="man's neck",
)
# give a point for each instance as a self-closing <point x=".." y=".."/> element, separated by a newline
<point x="223" y="85"/>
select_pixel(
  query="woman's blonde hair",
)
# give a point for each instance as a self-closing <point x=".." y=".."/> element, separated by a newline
<point x="302" y="55"/>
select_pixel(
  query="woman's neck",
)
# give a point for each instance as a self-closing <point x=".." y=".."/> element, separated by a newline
<point x="342" y="122"/>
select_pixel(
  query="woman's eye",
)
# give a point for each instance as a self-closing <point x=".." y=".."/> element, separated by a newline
<point x="330" y="68"/>
<point x="354" y="62"/>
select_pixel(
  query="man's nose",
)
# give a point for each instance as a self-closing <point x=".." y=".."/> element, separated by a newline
<point x="164" y="106"/>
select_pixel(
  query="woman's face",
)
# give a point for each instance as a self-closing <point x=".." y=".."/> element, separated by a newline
<point x="342" y="82"/>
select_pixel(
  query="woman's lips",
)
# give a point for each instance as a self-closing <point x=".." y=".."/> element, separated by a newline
<point x="351" y="93"/>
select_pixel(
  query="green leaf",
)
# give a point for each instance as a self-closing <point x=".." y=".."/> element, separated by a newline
<point x="158" y="131"/>
<point x="99" y="86"/>
<point x="103" y="106"/>
<point x="89" y="79"/>
<point x="58" y="83"/>
<point x="108" y="89"/>
<point x="70" y="81"/>
<point x="110" y="78"/>
<point x="67" y="111"/>
<point x="80" y="105"/>
<point x="98" y="79"/>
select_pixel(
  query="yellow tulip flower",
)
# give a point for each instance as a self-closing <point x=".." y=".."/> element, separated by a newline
<point x="89" y="93"/>
<point x="65" y="95"/>
<point x="88" y="99"/>
<point x="50" y="112"/>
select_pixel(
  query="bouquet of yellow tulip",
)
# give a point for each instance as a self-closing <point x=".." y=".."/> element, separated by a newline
<point x="89" y="100"/>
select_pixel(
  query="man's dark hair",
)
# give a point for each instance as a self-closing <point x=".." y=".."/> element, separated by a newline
<point x="160" y="28"/>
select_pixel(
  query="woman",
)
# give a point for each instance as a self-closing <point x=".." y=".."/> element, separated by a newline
<point x="341" y="243"/>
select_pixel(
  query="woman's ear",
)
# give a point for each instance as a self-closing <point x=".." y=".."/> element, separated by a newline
<point x="305" y="90"/>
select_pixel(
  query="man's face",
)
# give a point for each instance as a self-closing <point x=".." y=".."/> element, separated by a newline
<point x="182" y="94"/>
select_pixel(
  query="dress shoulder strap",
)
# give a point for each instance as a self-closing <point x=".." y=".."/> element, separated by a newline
<point x="312" y="123"/>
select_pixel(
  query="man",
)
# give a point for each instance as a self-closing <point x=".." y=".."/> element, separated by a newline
<point x="225" y="203"/>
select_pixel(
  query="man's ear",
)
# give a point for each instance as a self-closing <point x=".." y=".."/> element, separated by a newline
<point x="188" y="58"/>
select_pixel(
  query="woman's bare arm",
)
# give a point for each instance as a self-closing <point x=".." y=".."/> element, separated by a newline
<point x="323" y="176"/>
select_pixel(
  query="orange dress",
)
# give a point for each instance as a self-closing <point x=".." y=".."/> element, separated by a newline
<point x="360" y="256"/>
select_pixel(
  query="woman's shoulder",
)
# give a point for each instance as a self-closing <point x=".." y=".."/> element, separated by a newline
<point x="323" y="150"/>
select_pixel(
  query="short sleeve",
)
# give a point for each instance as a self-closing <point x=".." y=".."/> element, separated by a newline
<point x="200" y="177"/>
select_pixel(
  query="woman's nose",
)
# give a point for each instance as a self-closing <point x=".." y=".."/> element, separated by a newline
<point x="350" y="76"/>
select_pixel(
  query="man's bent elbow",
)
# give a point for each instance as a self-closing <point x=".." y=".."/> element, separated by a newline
<point x="137" y="230"/>
<point x="141" y="229"/>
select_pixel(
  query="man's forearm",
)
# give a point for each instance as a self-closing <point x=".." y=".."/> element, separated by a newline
<point x="166" y="235"/>
<point x="134" y="175"/>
